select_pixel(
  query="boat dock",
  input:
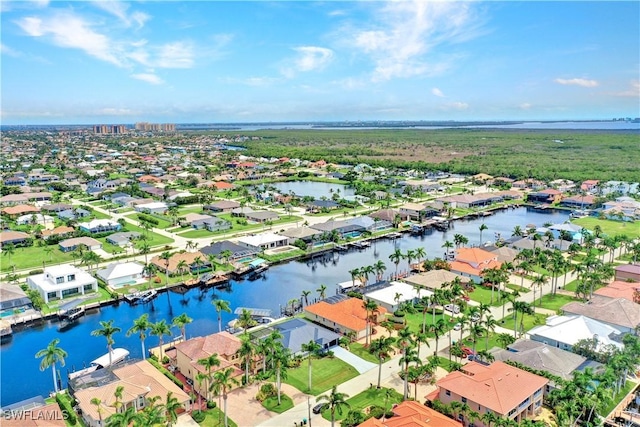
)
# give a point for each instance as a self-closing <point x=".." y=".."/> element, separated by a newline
<point x="363" y="244"/>
<point x="141" y="297"/>
<point x="5" y="329"/>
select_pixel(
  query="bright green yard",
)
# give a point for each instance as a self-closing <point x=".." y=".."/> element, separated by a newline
<point x="271" y="404"/>
<point x="482" y="295"/>
<point x="610" y="228"/>
<point x="364" y="400"/>
<point x="154" y="239"/>
<point x="33" y="257"/>
<point x="555" y="302"/>
<point x="361" y="351"/>
<point x="326" y="373"/>
<point x="215" y="418"/>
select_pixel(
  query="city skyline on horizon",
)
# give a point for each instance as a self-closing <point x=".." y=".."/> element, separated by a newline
<point x="295" y="62"/>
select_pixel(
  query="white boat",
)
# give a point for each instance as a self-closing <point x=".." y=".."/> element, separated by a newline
<point x="104" y="361"/>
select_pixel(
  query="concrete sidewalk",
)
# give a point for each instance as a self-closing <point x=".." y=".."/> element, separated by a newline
<point x="359" y="363"/>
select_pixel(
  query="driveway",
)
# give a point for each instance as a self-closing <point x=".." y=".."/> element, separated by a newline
<point x="360" y="364"/>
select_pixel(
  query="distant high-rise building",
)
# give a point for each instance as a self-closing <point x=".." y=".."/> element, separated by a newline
<point x="109" y="129"/>
<point x="155" y="127"/>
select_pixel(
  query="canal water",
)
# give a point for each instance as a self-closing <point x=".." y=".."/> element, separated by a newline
<point x="19" y="369"/>
<point x="314" y="189"/>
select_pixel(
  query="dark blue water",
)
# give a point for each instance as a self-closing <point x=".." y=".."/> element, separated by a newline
<point x="19" y="370"/>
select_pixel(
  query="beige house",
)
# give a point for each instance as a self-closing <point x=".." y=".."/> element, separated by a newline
<point x="141" y="381"/>
<point x="184" y="358"/>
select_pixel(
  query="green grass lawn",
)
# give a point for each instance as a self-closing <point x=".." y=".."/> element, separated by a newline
<point x="617" y="398"/>
<point x="609" y="227"/>
<point x="364" y="400"/>
<point x="239" y="228"/>
<point x="572" y="286"/>
<point x="271" y="404"/>
<point x="33" y="257"/>
<point x="414" y="320"/>
<point x="189" y="209"/>
<point x="196" y="234"/>
<point x="326" y="373"/>
<point x="361" y="351"/>
<point x="482" y="295"/>
<point x="514" y="287"/>
<point x="162" y="222"/>
<point x="555" y="302"/>
<point x="283" y="255"/>
<point x="215" y="418"/>
<point x="154" y="239"/>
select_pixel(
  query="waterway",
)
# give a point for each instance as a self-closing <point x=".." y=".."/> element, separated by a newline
<point x="19" y="369"/>
<point x="314" y="189"/>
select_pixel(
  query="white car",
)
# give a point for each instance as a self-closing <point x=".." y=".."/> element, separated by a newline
<point x="455" y="309"/>
<point x="457" y="326"/>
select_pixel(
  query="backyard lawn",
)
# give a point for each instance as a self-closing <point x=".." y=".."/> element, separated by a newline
<point x="363" y="352"/>
<point x="215" y="418"/>
<point x="555" y="302"/>
<point x="364" y="400"/>
<point x="482" y="295"/>
<point x="414" y="320"/>
<point x="609" y="227"/>
<point x="326" y="373"/>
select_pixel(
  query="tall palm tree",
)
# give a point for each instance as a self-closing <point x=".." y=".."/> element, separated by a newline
<point x="246" y="351"/>
<point x="420" y="254"/>
<point x="409" y="256"/>
<point x="355" y="273"/>
<point x="280" y="358"/>
<point x="51" y="355"/>
<point x="150" y="271"/>
<point x="140" y="326"/>
<point x="404" y="342"/>
<point x="181" y="322"/>
<point x="322" y="291"/>
<point x="447" y="247"/>
<point x="482" y="227"/>
<point x="223" y="381"/>
<point x="124" y="418"/>
<point x="312" y="348"/>
<point x="409" y="354"/>
<point x="160" y="329"/>
<point x="107" y="330"/>
<point x="381" y="348"/>
<point x="181" y="268"/>
<point x="171" y="406"/>
<point x="438" y="329"/>
<point x="379" y="268"/>
<point x="538" y="282"/>
<point x="336" y="401"/>
<point x="166" y="256"/>
<point x="209" y="363"/>
<point x="395" y="258"/>
<point x="220" y="306"/>
<point x="98" y="404"/>
<point x="370" y="307"/>
<point x="144" y="249"/>
<point x="305" y="296"/>
<point x="245" y="320"/>
<point x="490" y="325"/>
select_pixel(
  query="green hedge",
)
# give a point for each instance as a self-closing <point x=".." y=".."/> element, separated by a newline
<point x="148" y="218"/>
<point x="67" y="409"/>
<point x="166" y="373"/>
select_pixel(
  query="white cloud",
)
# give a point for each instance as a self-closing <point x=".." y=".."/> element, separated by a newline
<point x="175" y="55"/>
<point x="67" y="30"/>
<point x="408" y="33"/>
<point x="632" y="91"/>
<point x="6" y="50"/>
<point x="437" y="92"/>
<point x="119" y="9"/>
<point x="460" y="106"/>
<point x="577" y="82"/>
<point x="525" y="106"/>
<point x="149" y="78"/>
<point x="309" y="58"/>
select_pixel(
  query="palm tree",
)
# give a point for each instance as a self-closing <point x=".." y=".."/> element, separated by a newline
<point x="366" y="271"/>
<point x="490" y="324"/>
<point x="124" y="418"/>
<point x="404" y="342"/>
<point x="538" y="282"/>
<point x="305" y="296"/>
<point x="144" y="249"/>
<point x="395" y="258"/>
<point x="482" y="227"/>
<point x="447" y="247"/>
<point x="140" y="326"/>
<point x="9" y="249"/>
<point x="336" y="402"/>
<point x="246" y="351"/>
<point x="150" y="271"/>
<point x="166" y="256"/>
<point x="245" y="320"/>
<point x="370" y="307"/>
<point x="160" y="329"/>
<point x="181" y="322"/>
<point x="221" y="305"/>
<point x="51" y="355"/>
<point x="420" y="254"/>
<point x="107" y="330"/>
<point x="181" y="268"/>
<point x="209" y="363"/>
<point x="355" y="273"/>
<point x="171" y="407"/>
<point x="98" y="404"/>
<point x="312" y="348"/>
<point x="379" y="268"/>
<point x="409" y="256"/>
<point x="381" y="348"/>
<point x="409" y="354"/>
<point x="322" y="290"/>
<point x="438" y="329"/>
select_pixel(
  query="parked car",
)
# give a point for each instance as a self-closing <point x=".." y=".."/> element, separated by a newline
<point x="455" y="309"/>
<point x="466" y="350"/>
<point x="475" y="317"/>
<point x="318" y="408"/>
<point x="457" y="326"/>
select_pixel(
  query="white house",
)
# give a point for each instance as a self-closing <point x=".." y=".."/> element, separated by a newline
<point x="564" y="331"/>
<point x="263" y="241"/>
<point x="100" y="226"/>
<point x="120" y="274"/>
<point x="391" y="297"/>
<point x="61" y="281"/>
<point x="153" y="207"/>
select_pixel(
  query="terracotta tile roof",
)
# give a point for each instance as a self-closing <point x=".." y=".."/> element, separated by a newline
<point x="413" y="414"/>
<point x="221" y="185"/>
<point x="6" y="236"/>
<point x="63" y="229"/>
<point x="20" y="209"/>
<point x="43" y="416"/>
<point x="619" y="289"/>
<point x="188" y="257"/>
<point x="474" y="255"/>
<point x="221" y="343"/>
<point x="499" y="387"/>
<point x="348" y="313"/>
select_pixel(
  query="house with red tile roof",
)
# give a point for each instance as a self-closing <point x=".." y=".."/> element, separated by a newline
<point x="184" y="358"/>
<point x="342" y="314"/>
<point x="589" y="185"/>
<point x="618" y="289"/>
<point x="499" y="388"/>
<point x="471" y="262"/>
<point x="17" y="210"/>
<point x="412" y="414"/>
<point x="549" y="195"/>
<point x="221" y="185"/>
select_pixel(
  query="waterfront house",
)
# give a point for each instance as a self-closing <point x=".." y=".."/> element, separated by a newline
<point x="263" y="241"/>
<point x="172" y="263"/>
<point x="499" y="388"/>
<point x="619" y="313"/>
<point x="69" y="245"/>
<point x="119" y="274"/>
<point x="12" y="297"/>
<point x="221" y="206"/>
<point x="100" y="226"/>
<point x="435" y="279"/>
<point x="343" y="315"/>
<point x="139" y="381"/>
<point x="236" y="252"/>
<point x="417" y="211"/>
<point x="389" y="215"/>
<point x="33" y="413"/>
<point x="296" y="332"/>
<point x="549" y="196"/>
<point x="564" y="331"/>
<point x="471" y="262"/>
<point x="579" y="202"/>
<point x="61" y="281"/>
<point x="306" y="234"/>
<point x="412" y="414"/>
<point x="16" y="238"/>
<point x="628" y="272"/>
<point x="184" y="357"/>
<point x="397" y="293"/>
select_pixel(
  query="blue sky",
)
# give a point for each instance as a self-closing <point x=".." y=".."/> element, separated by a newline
<point x="122" y="62"/>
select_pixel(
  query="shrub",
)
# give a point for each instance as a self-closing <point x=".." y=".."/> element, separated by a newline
<point x="211" y="404"/>
<point x="165" y="360"/>
<point x="376" y="411"/>
<point x="353" y="418"/>
<point x="67" y="409"/>
<point x="198" y="416"/>
<point x="39" y="271"/>
<point x="266" y="391"/>
<point x="154" y="361"/>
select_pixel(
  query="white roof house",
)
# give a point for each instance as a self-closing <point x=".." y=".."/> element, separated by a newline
<point x="121" y="274"/>
<point x="386" y="297"/>
<point x="61" y="281"/>
<point x="564" y="331"/>
<point x="155" y="207"/>
<point x="263" y="241"/>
